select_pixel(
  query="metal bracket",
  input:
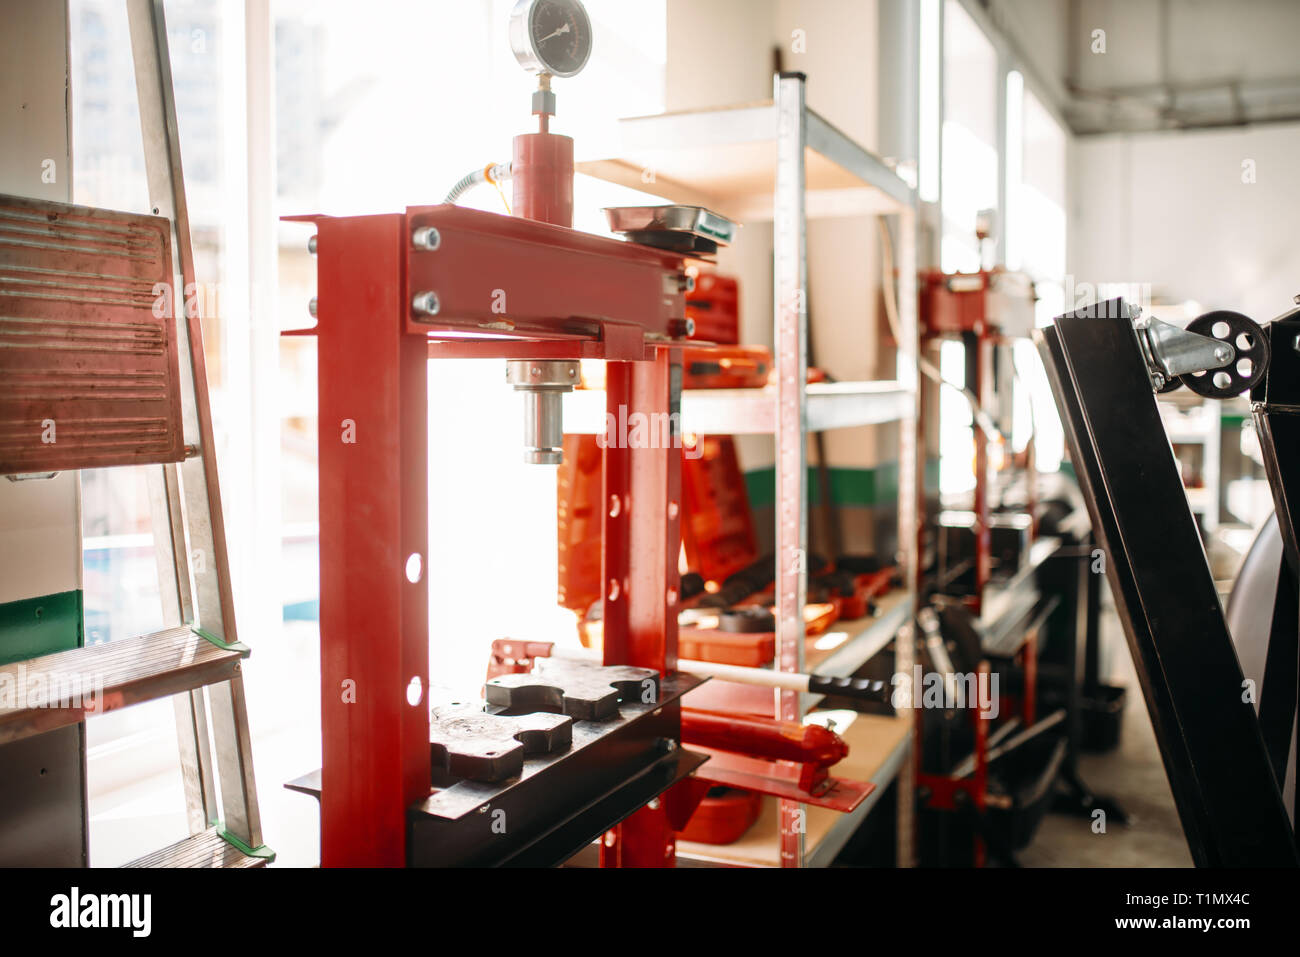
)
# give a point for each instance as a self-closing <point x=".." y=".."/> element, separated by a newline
<point x="1170" y="352"/>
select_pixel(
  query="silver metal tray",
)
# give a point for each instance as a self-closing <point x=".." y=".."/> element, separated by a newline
<point x="693" y="220"/>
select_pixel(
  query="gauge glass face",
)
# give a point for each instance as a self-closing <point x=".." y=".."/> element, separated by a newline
<point x="561" y="35"/>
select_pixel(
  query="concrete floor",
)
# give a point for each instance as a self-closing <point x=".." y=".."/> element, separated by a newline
<point x="1133" y="776"/>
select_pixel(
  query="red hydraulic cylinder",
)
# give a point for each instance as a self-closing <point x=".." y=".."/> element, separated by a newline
<point x="763" y="737"/>
<point x="541" y="173"/>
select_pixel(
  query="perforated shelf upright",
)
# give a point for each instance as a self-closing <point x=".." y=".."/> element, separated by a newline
<point x="782" y="161"/>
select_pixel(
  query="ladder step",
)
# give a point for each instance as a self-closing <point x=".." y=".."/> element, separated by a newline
<point x="52" y="691"/>
<point x="205" y="849"/>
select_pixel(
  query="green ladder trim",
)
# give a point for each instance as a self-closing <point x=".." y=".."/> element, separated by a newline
<point x="262" y="851"/>
<point x="238" y="646"/>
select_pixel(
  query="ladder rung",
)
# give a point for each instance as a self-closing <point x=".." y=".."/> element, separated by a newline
<point x="205" y="849"/>
<point x="40" y="694"/>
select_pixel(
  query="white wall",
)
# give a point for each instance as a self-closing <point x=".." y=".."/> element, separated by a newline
<point x="40" y="520"/>
<point x="720" y="52"/>
<point x="1171" y="209"/>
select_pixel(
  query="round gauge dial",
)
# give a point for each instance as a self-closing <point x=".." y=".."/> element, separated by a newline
<point x="551" y="36"/>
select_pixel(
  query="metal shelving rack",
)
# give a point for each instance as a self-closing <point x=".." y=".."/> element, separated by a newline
<point x="781" y="160"/>
<point x="1200" y="424"/>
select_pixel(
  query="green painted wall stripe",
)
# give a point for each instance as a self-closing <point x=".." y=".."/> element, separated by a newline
<point x="863" y="487"/>
<point x="40" y="626"/>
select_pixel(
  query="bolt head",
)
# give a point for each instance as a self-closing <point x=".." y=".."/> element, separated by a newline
<point x="426" y="303"/>
<point x="427" y="238"/>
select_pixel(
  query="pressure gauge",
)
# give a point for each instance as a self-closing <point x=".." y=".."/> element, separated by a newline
<point x="550" y="36"/>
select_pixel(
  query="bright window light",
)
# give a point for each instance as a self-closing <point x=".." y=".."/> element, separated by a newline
<point x="930" y="119"/>
<point x="1015" y="147"/>
<point x="970" y="135"/>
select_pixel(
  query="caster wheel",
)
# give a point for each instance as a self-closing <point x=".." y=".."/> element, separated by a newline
<point x="1247" y="369"/>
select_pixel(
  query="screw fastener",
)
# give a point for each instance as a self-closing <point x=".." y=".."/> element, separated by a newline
<point x="425" y="303"/>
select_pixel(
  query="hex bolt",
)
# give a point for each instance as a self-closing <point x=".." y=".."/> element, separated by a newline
<point x="427" y="238"/>
<point x="311" y="307"/>
<point x="311" y="245"/>
<point x="425" y="303"/>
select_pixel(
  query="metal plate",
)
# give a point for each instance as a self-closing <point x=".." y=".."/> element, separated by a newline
<point x="88" y="352"/>
<point x="587" y="692"/>
<point x="466" y="796"/>
<point x="560" y="802"/>
<point x="471" y="743"/>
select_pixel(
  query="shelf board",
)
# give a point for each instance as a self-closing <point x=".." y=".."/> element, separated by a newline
<point x="867" y="638"/>
<point x="725" y="159"/>
<point x="878" y="746"/>
<point x="1001" y="597"/>
<point x="830" y="405"/>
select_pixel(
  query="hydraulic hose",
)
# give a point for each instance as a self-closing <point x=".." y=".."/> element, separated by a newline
<point x="494" y="173"/>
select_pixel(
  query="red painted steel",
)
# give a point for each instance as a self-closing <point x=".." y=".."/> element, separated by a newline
<point x="541" y="173"/>
<point x="373" y="428"/>
<point x="1029" y="663"/>
<point x="786" y="759"/>
<point x="714" y="305"/>
<point x="723" y="817"/>
<point x="510" y="278"/>
<point x="781" y="779"/>
<point x="943" y="789"/>
<point x="982" y="387"/>
<point x="642" y="520"/>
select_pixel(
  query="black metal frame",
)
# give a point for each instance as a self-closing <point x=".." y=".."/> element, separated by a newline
<point x="1219" y="770"/>
<point x="1276" y="411"/>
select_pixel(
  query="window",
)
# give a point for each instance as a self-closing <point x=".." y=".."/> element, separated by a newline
<point x="970" y="136"/>
<point x="1036" y="236"/>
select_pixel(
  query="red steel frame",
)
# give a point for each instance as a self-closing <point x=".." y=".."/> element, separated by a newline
<point x="568" y="295"/>
<point x="949" y="313"/>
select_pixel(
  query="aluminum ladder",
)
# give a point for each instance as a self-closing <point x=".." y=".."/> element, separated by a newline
<point x="108" y="378"/>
